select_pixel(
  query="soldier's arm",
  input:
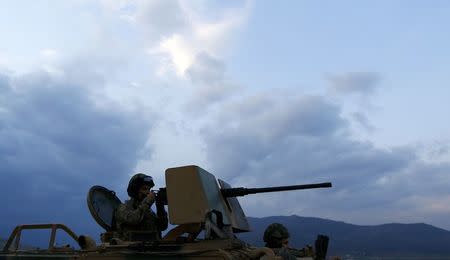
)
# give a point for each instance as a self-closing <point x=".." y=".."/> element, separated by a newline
<point x="130" y="216"/>
<point x="285" y="253"/>
<point x="162" y="216"/>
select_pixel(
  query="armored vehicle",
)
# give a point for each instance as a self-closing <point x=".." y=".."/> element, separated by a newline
<point x="204" y="212"/>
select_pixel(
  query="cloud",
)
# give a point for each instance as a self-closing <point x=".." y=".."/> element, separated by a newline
<point x="283" y="139"/>
<point x="161" y="17"/>
<point x="363" y="121"/>
<point x="256" y="126"/>
<point x="154" y="18"/>
<point x="363" y="83"/>
<point x="206" y="70"/>
<point x="55" y="143"/>
<point x="179" y="46"/>
<point x="178" y="50"/>
<point x="437" y="151"/>
<point x="182" y="40"/>
<point x="210" y="84"/>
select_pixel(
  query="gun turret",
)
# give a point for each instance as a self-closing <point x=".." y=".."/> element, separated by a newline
<point x="192" y="192"/>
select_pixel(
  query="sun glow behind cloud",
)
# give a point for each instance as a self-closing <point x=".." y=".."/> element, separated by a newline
<point x="198" y="35"/>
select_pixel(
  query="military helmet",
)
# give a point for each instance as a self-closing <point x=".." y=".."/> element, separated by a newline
<point x="274" y="233"/>
<point x="136" y="182"/>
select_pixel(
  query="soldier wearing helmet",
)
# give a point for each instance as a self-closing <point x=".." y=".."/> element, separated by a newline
<point x="276" y="237"/>
<point x="136" y="213"/>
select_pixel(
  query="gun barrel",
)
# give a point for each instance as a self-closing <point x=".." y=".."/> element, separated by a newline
<point x="236" y="192"/>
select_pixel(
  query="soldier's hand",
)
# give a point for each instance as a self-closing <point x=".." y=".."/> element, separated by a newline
<point x="149" y="199"/>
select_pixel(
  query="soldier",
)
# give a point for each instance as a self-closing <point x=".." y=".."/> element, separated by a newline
<point x="136" y="213"/>
<point x="276" y="237"/>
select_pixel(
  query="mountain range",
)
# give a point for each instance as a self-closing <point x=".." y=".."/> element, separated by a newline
<point x="378" y="240"/>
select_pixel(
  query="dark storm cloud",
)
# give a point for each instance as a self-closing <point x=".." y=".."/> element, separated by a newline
<point x="249" y="132"/>
<point x="354" y="83"/>
<point x="56" y="142"/>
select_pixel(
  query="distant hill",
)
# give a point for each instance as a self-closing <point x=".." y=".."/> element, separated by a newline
<point x="380" y="240"/>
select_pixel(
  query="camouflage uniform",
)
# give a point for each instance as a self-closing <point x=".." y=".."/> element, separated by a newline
<point x="284" y="252"/>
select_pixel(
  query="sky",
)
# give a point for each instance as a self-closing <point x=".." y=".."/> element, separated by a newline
<point x="256" y="92"/>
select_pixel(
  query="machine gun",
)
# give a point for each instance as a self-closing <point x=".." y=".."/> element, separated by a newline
<point x="237" y="192"/>
<point x="192" y="193"/>
<point x="161" y="193"/>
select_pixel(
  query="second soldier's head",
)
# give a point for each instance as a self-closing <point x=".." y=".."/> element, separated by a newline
<point x="276" y="235"/>
<point x="139" y="186"/>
